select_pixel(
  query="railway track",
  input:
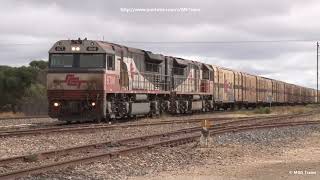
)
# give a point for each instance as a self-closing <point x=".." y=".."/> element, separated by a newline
<point x="46" y="116"/>
<point x="24" y="117"/>
<point x="44" y="161"/>
<point x="90" y="127"/>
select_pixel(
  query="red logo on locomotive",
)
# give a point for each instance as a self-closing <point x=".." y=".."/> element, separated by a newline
<point x="72" y="80"/>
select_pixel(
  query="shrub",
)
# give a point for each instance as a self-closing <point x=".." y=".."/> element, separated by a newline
<point x="262" y="110"/>
<point x="31" y="158"/>
<point x="267" y="110"/>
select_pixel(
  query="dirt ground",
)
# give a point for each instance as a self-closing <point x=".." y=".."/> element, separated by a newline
<point x="294" y="159"/>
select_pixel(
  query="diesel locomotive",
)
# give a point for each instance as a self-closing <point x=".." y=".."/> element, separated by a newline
<point x="91" y="80"/>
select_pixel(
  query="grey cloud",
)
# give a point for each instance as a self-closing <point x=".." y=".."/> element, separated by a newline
<point x="38" y="24"/>
<point x="211" y="11"/>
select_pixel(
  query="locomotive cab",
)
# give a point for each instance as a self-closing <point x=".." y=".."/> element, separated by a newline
<point x="75" y="80"/>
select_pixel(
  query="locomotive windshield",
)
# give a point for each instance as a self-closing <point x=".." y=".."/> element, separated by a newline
<point x="91" y="61"/>
<point x="61" y="60"/>
<point x="77" y="61"/>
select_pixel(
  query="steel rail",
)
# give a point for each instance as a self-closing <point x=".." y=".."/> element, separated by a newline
<point x="24" y="117"/>
<point x="80" y="128"/>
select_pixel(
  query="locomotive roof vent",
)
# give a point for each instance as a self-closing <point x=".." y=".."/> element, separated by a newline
<point x="78" y="41"/>
<point x="155" y="58"/>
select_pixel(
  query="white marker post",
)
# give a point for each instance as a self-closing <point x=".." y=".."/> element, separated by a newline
<point x="205" y="133"/>
<point x="270" y="100"/>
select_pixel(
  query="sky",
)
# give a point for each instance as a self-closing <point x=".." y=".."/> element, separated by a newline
<point x="246" y="35"/>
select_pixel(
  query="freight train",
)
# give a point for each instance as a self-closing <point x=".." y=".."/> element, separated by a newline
<point x="90" y="80"/>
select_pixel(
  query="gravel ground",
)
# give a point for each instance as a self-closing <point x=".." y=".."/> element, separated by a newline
<point x="197" y="116"/>
<point x="18" y="123"/>
<point x="266" y="137"/>
<point x="182" y="158"/>
<point x="13" y="146"/>
<point x="240" y="113"/>
<point x="32" y="121"/>
<point x="13" y="122"/>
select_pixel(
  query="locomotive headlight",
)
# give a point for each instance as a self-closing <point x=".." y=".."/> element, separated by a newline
<point x="77" y="48"/>
<point x="93" y="104"/>
<point x="56" y="104"/>
<point x="73" y="48"/>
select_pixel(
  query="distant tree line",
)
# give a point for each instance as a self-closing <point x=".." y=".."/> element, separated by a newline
<point x="23" y="86"/>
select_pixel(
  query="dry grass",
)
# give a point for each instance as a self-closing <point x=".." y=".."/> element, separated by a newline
<point x="294" y="109"/>
<point x="10" y="114"/>
<point x="281" y="110"/>
<point x="262" y="110"/>
<point x="274" y="110"/>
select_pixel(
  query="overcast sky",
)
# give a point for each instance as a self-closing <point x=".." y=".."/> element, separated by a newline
<point x="29" y="28"/>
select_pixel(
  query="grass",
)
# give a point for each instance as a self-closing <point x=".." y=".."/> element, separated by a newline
<point x="10" y="114"/>
<point x="280" y="110"/>
<point x="262" y="110"/>
<point x="294" y="109"/>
